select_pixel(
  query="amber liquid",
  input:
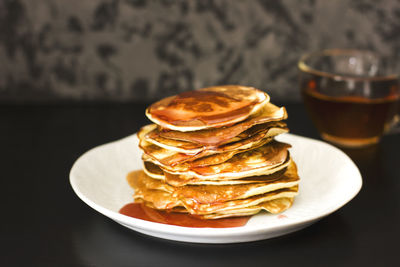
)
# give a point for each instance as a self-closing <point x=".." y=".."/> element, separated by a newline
<point x="351" y="120"/>
<point x="140" y="211"/>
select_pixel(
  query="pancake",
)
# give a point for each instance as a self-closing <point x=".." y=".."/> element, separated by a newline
<point x="181" y="180"/>
<point x="217" y="136"/>
<point x="153" y="193"/>
<point x="155" y="172"/>
<point x="273" y="206"/>
<point x="271" y="129"/>
<point x="215" y="194"/>
<point x="207" y="108"/>
<point x="172" y="158"/>
<point x="220" y="193"/>
<point x="209" y="194"/>
<point x="179" y="161"/>
<point x="166" y="201"/>
<point x="257" y="161"/>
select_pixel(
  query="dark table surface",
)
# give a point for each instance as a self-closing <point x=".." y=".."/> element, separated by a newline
<point x="45" y="224"/>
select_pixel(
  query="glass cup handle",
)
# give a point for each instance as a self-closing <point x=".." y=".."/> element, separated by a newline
<point x="394" y="126"/>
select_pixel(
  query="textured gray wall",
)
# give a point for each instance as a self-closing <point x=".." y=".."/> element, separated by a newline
<point x="140" y="49"/>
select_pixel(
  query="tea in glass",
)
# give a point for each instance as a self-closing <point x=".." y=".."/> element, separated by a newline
<point x="349" y="95"/>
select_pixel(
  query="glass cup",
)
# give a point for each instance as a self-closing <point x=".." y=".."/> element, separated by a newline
<point x="352" y="96"/>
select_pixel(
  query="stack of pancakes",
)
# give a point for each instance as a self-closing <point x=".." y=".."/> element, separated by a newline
<point x="212" y="153"/>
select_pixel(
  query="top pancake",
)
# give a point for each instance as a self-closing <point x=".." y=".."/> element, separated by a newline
<point x="206" y="108"/>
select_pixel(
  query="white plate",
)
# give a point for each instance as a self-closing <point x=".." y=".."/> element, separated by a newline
<point x="329" y="179"/>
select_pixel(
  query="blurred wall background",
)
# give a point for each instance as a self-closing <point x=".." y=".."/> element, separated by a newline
<point x="132" y="50"/>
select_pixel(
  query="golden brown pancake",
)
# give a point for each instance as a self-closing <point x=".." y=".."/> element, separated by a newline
<point x="217" y="136"/>
<point x="181" y="180"/>
<point x="272" y="206"/>
<point x="253" y="162"/>
<point x="207" y="108"/>
<point x="220" y="193"/>
<point x="153" y="170"/>
<point x="152" y="135"/>
<point x="156" y="172"/>
<point x="159" y="196"/>
<point x="180" y="161"/>
<point x="171" y="158"/>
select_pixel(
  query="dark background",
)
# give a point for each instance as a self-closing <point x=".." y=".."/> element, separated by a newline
<point x="125" y="50"/>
